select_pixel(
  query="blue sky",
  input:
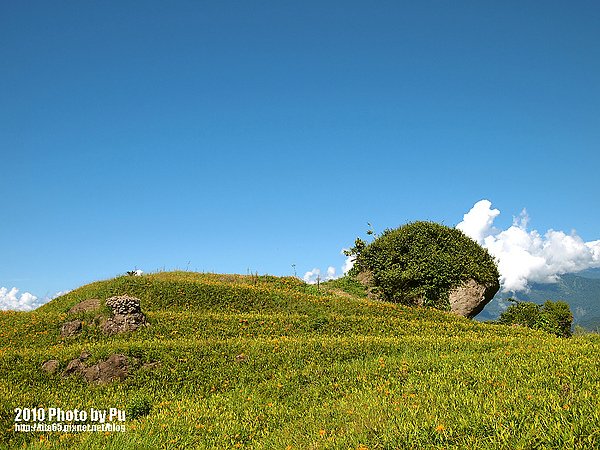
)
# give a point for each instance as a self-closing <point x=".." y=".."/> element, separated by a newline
<point x="235" y="136"/>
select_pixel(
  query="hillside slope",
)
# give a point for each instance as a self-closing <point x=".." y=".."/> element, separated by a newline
<point x="233" y="361"/>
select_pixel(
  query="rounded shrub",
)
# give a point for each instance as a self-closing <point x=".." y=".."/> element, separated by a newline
<point x="553" y="317"/>
<point x="421" y="262"/>
<point x="138" y="407"/>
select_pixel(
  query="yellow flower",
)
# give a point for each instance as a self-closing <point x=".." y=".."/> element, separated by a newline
<point x="440" y="428"/>
<point x="321" y="432"/>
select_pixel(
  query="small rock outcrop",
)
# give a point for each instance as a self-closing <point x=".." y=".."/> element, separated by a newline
<point x="115" y="368"/>
<point x="51" y="366"/>
<point x="126" y="315"/>
<point x="470" y="298"/>
<point x="76" y="365"/>
<point x="91" y="304"/>
<point x="71" y="328"/>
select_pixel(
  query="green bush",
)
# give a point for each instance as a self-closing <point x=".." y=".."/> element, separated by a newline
<point x="553" y="317"/>
<point x="346" y="284"/>
<point x="420" y="262"/>
<point x="138" y="407"/>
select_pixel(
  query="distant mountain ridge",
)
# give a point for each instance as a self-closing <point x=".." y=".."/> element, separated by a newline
<point x="590" y="273"/>
<point x="580" y="290"/>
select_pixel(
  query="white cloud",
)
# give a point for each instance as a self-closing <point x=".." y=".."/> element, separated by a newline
<point x="527" y="256"/>
<point x="58" y="294"/>
<point x="12" y="300"/>
<point x="330" y="273"/>
<point x="348" y="263"/>
<point x="477" y="223"/>
<point x="312" y="276"/>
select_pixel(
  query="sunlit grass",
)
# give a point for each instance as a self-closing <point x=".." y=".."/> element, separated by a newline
<point x="269" y="363"/>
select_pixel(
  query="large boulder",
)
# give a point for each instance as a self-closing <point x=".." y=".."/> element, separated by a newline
<point x="127" y="315"/>
<point x="470" y="298"/>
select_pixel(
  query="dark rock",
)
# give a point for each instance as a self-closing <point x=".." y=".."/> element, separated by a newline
<point x="123" y="322"/>
<point x="51" y="366"/>
<point x="71" y="328"/>
<point x="127" y="315"/>
<point x="91" y="304"/>
<point x="113" y="369"/>
<point x="74" y="366"/>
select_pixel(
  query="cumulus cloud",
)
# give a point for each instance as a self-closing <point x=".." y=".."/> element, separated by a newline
<point x="348" y="263"/>
<point x="525" y="256"/>
<point x="312" y="276"/>
<point x="478" y="222"/>
<point x="12" y="300"/>
<point x="330" y="273"/>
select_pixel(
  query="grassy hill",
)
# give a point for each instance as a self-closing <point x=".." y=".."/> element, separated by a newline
<point x="262" y="362"/>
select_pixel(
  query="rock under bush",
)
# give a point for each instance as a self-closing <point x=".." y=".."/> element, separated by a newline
<point x="426" y="264"/>
<point x="470" y="298"/>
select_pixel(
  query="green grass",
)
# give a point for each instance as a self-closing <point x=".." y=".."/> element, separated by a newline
<point x="320" y="369"/>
